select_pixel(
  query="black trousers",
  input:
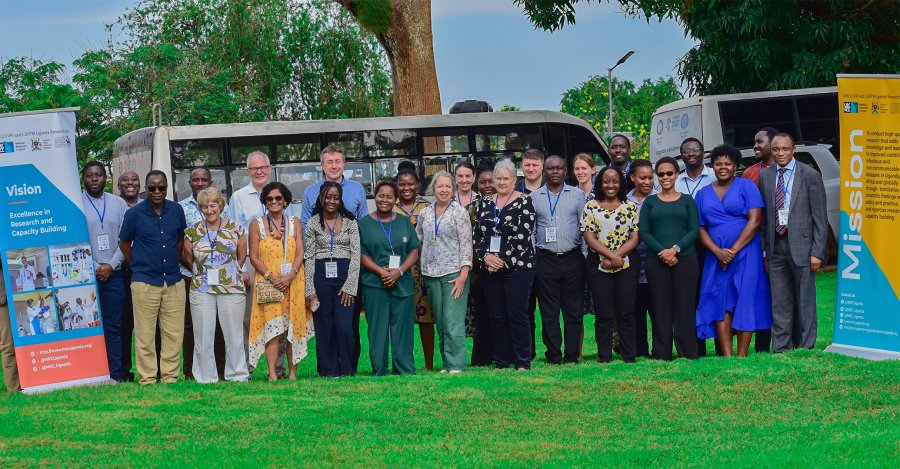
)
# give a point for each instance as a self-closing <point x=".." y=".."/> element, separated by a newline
<point x="333" y="322"/>
<point x="482" y="344"/>
<point x="127" y="327"/>
<point x="507" y="298"/>
<point x="532" y="308"/>
<point x="674" y="294"/>
<point x="613" y="295"/>
<point x="560" y="287"/>
<point x="357" y="345"/>
<point x="643" y="307"/>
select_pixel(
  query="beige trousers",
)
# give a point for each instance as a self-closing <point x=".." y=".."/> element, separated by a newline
<point x="164" y="305"/>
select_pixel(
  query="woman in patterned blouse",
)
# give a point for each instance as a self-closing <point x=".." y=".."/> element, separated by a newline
<point x="609" y="226"/>
<point x="332" y="274"/>
<point x="446" y="234"/>
<point x="216" y="248"/>
<point x="504" y="226"/>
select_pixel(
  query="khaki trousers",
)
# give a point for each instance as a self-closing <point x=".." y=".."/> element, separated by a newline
<point x="164" y="305"/>
<point x="8" y="349"/>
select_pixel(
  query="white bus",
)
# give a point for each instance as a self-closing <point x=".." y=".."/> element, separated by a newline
<point x="374" y="146"/>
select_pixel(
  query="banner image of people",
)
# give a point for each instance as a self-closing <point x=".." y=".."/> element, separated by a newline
<point x="867" y="304"/>
<point x="51" y="287"/>
<point x="29" y="269"/>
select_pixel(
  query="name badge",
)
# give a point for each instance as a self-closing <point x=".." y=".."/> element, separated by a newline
<point x="102" y="242"/>
<point x="495" y="244"/>
<point x="331" y="269"/>
<point x="286" y="269"/>
<point x="783" y="216"/>
<point x="212" y="277"/>
<point x="394" y="262"/>
<point x="550" y="234"/>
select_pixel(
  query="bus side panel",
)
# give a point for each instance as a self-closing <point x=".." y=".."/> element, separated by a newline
<point x="670" y="128"/>
<point x="134" y="153"/>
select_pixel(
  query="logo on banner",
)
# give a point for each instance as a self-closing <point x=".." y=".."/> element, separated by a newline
<point x="7" y="147"/>
<point x="36" y="145"/>
<point x="851" y="107"/>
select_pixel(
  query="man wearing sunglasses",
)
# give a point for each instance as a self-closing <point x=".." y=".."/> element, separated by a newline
<point x="151" y="240"/>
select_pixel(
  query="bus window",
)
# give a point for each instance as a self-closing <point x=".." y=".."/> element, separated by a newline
<point x="241" y="147"/>
<point x="581" y="140"/>
<point x="193" y="153"/>
<point x="350" y="142"/>
<point x="297" y="177"/>
<point x="387" y="168"/>
<point x="818" y="115"/>
<point x="556" y="141"/>
<point x="435" y="164"/>
<point x="183" y="187"/>
<point x="239" y="178"/>
<point x="741" y="120"/>
<point x="443" y="141"/>
<point x="512" y="138"/>
<point x="296" y="148"/>
<point x="389" y="143"/>
<point x="361" y="173"/>
<point x="807" y="159"/>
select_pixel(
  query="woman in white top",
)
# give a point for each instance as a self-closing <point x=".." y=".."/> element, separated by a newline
<point x="445" y="231"/>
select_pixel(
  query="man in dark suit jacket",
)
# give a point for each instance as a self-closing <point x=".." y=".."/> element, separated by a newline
<point x="795" y="226"/>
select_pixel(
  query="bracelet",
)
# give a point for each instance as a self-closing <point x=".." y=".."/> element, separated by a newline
<point x="266" y="276"/>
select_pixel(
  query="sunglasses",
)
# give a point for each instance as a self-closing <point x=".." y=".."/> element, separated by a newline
<point x="275" y="198"/>
<point x="665" y="174"/>
<point x="157" y="189"/>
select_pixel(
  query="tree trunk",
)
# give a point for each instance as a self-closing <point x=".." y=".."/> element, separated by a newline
<point x="408" y="43"/>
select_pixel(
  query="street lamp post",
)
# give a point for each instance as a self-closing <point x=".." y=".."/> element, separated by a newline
<point x="609" y="81"/>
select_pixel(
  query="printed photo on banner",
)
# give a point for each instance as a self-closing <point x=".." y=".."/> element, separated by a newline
<point x="71" y="264"/>
<point x="77" y="307"/>
<point x="29" y="269"/>
<point x="36" y="313"/>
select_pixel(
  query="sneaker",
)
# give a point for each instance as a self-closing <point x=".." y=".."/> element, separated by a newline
<point x="455" y="372"/>
<point x="521" y="368"/>
<point x="443" y="371"/>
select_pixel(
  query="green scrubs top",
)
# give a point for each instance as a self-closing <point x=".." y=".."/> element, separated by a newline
<point x="373" y="242"/>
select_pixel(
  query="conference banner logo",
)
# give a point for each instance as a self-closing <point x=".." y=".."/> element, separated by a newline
<point x="867" y="304"/>
<point x="48" y="267"/>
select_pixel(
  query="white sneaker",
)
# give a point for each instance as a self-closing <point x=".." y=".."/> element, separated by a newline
<point x="443" y="371"/>
<point x="521" y="369"/>
<point x="455" y="372"/>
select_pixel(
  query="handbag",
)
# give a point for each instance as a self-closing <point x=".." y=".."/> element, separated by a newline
<point x="267" y="293"/>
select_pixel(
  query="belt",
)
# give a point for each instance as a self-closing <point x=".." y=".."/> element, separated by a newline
<point x="559" y="254"/>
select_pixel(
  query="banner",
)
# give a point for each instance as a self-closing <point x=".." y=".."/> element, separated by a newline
<point x="867" y="304"/>
<point x="50" y="285"/>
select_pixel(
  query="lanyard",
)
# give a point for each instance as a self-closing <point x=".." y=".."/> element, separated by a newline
<point x="411" y="214"/>
<point x="213" y="241"/>
<point x="553" y="205"/>
<point x="497" y="213"/>
<point x="283" y="235"/>
<point x="387" y="233"/>
<point x="99" y="215"/>
<point x="699" y="180"/>
<point x="437" y="221"/>
<point x="331" y="241"/>
<point x="471" y="198"/>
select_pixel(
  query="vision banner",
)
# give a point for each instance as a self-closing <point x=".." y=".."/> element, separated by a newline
<point x="867" y="305"/>
<point x="47" y="263"/>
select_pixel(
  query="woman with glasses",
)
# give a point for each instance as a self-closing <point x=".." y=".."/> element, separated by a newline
<point x="276" y="252"/>
<point x="389" y="248"/>
<point x="669" y="226"/>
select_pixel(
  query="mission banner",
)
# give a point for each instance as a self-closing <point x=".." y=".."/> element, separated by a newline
<point x="867" y="304"/>
<point x="48" y="267"/>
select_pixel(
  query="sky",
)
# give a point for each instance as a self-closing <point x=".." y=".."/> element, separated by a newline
<point x="484" y="49"/>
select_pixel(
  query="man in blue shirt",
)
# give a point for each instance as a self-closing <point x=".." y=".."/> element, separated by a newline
<point x="354" y="198"/>
<point x="151" y="239"/>
<point x="104" y="214"/>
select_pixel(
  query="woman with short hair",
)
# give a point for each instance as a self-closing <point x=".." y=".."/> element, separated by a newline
<point x="216" y="249"/>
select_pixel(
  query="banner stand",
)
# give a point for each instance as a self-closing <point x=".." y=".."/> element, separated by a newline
<point x="863" y="352"/>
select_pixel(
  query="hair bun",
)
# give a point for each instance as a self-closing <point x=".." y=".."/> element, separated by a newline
<point x="407" y="167"/>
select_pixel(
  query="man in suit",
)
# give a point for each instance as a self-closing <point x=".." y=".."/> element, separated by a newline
<point x="796" y="230"/>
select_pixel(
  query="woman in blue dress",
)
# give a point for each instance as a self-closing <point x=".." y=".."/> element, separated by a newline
<point x="734" y="291"/>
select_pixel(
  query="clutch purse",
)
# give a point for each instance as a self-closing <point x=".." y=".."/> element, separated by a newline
<point x="267" y="293"/>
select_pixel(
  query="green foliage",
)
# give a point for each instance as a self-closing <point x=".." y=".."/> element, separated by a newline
<point x="759" y="45"/>
<point x="633" y="106"/>
<point x="374" y="15"/>
<point x="508" y="108"/>
<point x="712" y="412"/>
<point x="210" y="62"/>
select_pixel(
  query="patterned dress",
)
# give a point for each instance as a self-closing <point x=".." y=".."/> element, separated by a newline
<point x="611" y="227"/>
<point x="420" y="297"/>
<point x="270" y="320"/>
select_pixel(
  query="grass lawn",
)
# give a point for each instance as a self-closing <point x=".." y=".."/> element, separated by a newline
<point x="797" y="409"/>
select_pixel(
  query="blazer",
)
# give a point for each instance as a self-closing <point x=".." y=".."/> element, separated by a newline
<point x="807" y="220"/>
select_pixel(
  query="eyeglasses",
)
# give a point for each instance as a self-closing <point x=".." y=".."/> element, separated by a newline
<point x="274" y="198"/>
<point x="157" y="189"/>
<point x="257" y="169"/>
<point x="666" y="174"/>
<point x="689" y="151"/>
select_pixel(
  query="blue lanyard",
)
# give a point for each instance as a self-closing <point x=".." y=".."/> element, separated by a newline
<point x="471" y="198"/>
<point x="387" y="233"/>
<point x="437" y="221"/>
<point x="213" y="241"/>
<point x="699" y="179"/>
<point x="497" y="213"/>
<point x="553" y="205"/>
<point x="787" y="183"/>
<point x="99" y="215"/>
<point x="331" y="241"/>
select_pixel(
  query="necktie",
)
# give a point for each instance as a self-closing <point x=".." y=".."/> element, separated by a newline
<point x="779" y="201"/>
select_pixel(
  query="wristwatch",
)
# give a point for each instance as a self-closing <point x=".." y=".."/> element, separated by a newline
<point x="677" y="249"/>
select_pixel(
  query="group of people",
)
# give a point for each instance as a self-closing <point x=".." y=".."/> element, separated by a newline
<point x="702" y="253"/>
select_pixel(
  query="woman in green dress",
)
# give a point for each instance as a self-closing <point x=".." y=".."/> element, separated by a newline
<point x="389" y="248"/>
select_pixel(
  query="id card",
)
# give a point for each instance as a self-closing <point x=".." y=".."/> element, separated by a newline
<point x="394" y="262"/>
<point x="495" y="244"/>
<point x="331" y="269"/>
<point x="212" y="277"/>
<point x="783" y="216"/>
<point x="286" y="269"/>
<point x="550" y="234"/>
<point x="103" y="242"/>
